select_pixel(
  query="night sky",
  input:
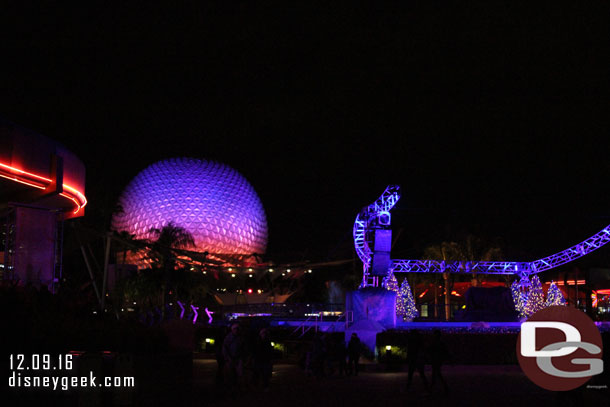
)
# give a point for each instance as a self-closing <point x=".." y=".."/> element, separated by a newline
<point x="493" y="118"/>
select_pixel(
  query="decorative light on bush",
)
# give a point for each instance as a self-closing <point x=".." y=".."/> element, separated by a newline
<point x="405" y="303"/>
<point x="519" y="298"/>
<point x="535" y="298"/>
<point x="554" y="296"/>
<point x="212" y="201"/>
<point x="390" y="283"/>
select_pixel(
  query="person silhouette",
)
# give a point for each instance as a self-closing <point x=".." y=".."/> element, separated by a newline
<point x="263" y="353"/>
<point x="415" y="358"/>
<point x="233" y="353"/>
<point x="354" y="348"/>
<point x="438" y="354"/>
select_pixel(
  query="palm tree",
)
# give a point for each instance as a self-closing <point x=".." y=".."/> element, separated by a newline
<point x="163" y="251"/>
<point x="128" y="243"/>
<point x="169" y="237"/>
<point x="446" y="251"/>
<point x="474" y="250"/>
<point x="471" y="249"/>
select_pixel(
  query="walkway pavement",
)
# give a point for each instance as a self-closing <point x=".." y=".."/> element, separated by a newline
<point x="492" y="386"/>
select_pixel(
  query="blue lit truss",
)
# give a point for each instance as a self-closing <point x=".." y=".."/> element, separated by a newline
<point x="379" y="210"/>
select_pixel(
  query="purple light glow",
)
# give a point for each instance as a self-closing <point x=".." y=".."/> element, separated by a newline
<point x="209" y="315"/>
<point x="212" y="201"/>
<point x="195" y="309"/>
<point x="181" y="308"/>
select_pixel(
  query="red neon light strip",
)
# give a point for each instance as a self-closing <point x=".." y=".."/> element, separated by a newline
<point x="21" y="172"/>
<point x="22" y="182"/>
<point x="571" y="282"/>
<point x="36" y="181"/>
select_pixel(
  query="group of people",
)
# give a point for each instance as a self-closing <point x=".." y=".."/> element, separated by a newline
<point x="247" y="361"/>
<point x="416" y="356"/>
<point x="329" y="354"/>
<point x="244" y="361"/>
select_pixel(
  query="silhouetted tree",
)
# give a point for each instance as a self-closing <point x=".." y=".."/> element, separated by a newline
<point x="471" y="249"/>
<point x="162" y="252"/>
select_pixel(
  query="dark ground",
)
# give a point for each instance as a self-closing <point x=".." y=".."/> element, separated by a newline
<point x="495" y="386"/>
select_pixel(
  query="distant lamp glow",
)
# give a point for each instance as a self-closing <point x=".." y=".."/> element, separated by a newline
<point x="271" y="270"/>
<point x="388" y="347"/>
<point x="309" y="271"/>
<point x="250" y="270"/>
<point x="250" y="275"/>
<point x="287" y="270"/>
<point x="249" y="291"/>
<point x="233" y="275"/>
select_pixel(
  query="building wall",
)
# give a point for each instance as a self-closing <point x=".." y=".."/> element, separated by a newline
<point x="34" y="260"/>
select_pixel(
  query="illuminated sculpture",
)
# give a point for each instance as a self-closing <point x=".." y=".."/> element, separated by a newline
<point x="210" y="200"/>
<point x="377" y="215"/>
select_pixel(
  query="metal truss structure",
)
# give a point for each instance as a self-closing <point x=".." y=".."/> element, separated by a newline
<point x="377" y="215"/>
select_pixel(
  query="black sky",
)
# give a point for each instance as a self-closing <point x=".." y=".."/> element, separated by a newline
<point x="492" y="116"/>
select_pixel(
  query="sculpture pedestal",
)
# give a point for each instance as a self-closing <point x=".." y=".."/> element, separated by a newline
<point x="374" y="310"/>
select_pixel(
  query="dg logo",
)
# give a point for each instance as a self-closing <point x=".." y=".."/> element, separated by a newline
<point x="559" y="348"/>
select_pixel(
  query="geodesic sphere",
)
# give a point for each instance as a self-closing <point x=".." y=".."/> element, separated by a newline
<point x="212" y="201"/>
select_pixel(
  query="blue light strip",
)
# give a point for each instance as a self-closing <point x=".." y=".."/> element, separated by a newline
<point x="386" y="202"/>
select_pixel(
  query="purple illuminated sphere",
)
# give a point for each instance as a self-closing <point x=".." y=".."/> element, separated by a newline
<point x="212" y="201"/>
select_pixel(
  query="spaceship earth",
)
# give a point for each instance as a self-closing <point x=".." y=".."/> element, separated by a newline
<point x="212" y="201"/>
